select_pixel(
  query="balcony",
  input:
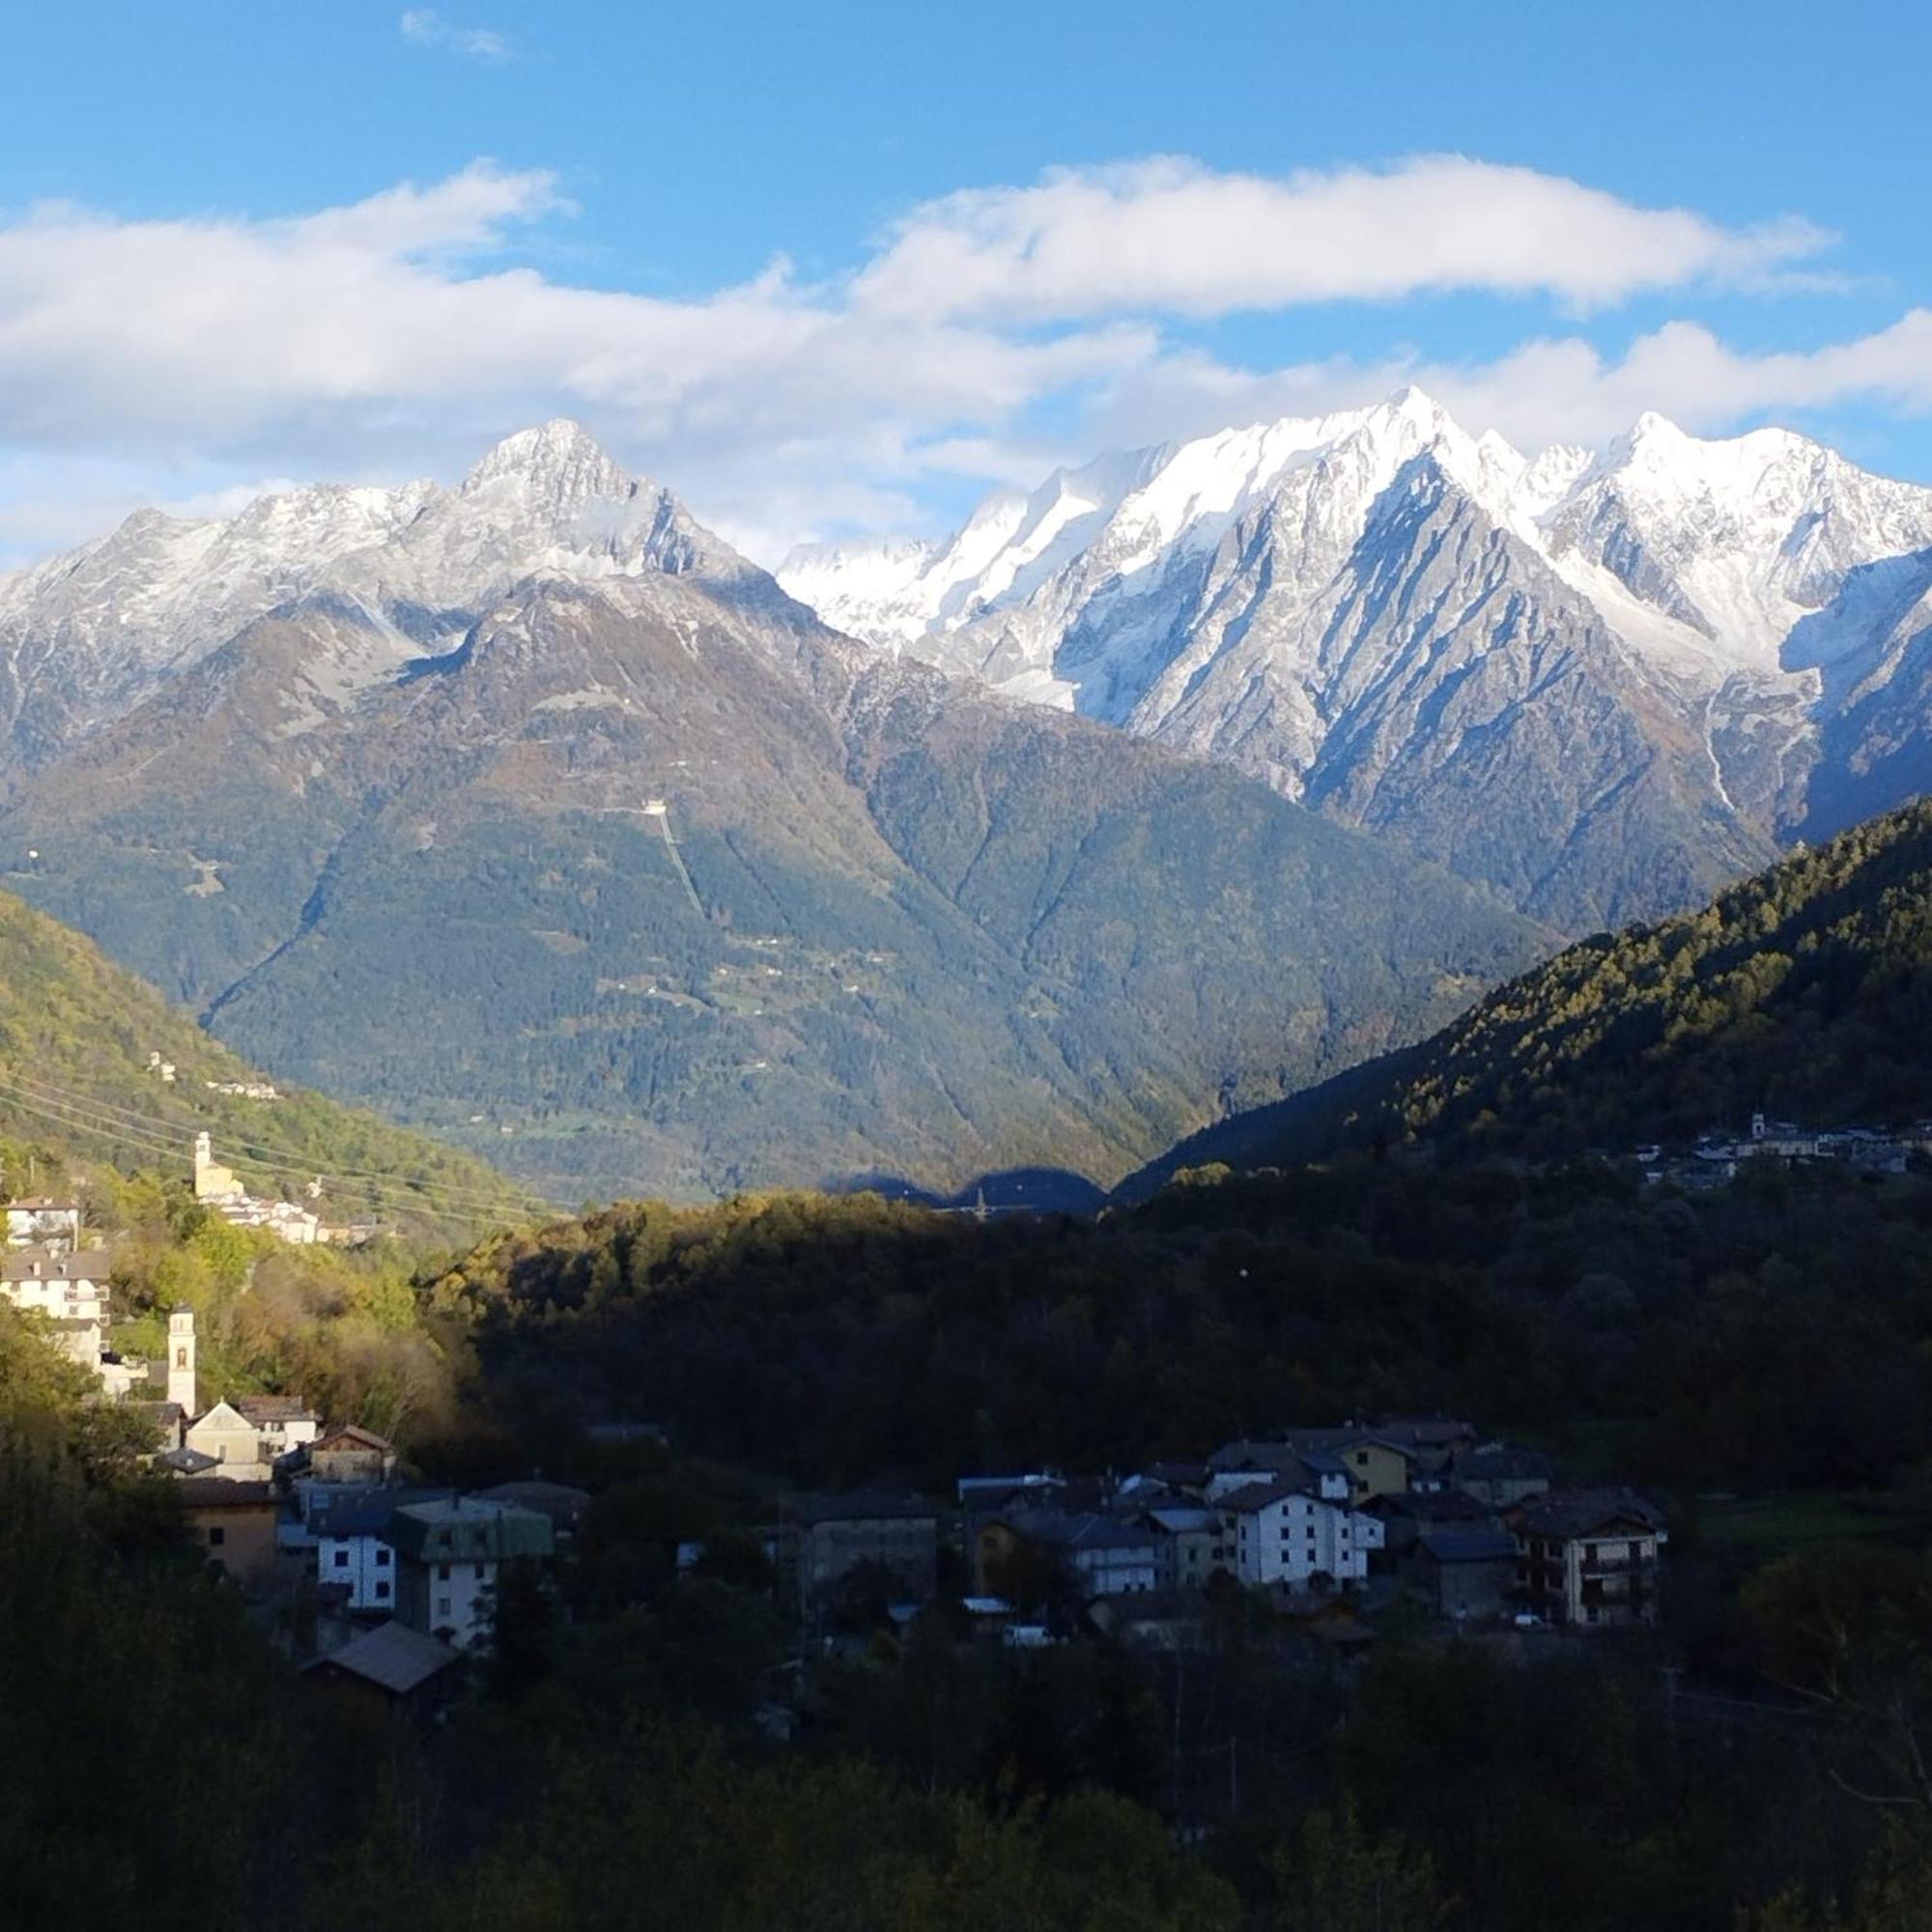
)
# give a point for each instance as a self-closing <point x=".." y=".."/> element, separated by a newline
<point x="1606" y="1569"/>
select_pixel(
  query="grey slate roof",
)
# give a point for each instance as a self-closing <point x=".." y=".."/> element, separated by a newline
<point x="1586" y="1511"/>
<point x="1469" y="1545"/>
<point x="1076" y="1530"/>
<point x="559" y="1501"/>
<point x="1500" y="1461"/>
<point x="218" y="1492"/>
<point x="260" y="1409"/>
<point x="1441" y="1506"/>
<point x="356" y="1510"/>
<point x="392" y="1656"/>
<point x="1184" y="1519"/>
<point x="858" y="1506"/>
<point x="42" y="1264"/>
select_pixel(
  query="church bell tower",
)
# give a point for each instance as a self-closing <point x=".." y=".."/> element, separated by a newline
<point x="181" y="1361"/>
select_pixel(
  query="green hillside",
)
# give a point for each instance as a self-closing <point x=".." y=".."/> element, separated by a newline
<point x="77" y="1091"/>
<point x="1805" y="991"/>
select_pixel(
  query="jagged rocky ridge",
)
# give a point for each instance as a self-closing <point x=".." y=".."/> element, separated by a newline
<point x="363" y="776"/>
<point x="1603" y="684"/>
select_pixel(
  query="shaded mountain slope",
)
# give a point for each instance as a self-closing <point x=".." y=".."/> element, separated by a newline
<point x="1805" y="992"/>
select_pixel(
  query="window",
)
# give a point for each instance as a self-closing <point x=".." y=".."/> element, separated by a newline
<point x="442" y="1606"/>
<point x="383" y="1592"/>
<point x="342" y="1559"/>
<point x="216" y="1537"/>
<point x="381" y="1556"/>
<point x="442" y="1573"/>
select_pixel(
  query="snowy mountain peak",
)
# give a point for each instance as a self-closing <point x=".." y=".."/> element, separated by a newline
<point x="1656" y="435"/>
<point x="558" y="462"/>
<point x="1234" y="593"/>
<point x="86" y="634"/>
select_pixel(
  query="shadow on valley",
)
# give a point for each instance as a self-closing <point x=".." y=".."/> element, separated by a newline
<point x="1010" y="1190"/>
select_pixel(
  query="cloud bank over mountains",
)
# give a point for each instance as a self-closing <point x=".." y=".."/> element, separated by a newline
<point x="192" y="358"/>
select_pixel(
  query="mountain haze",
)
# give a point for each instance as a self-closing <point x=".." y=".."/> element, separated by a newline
<point x="1600" y="684"/>
<point x="363" y="776"/>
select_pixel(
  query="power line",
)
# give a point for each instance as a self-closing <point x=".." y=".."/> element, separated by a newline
<point x="167" y="1139"/>
<point x="154" y="1135"/>
<point x="264" y="1153"/>
<point x="121" y="1135"/>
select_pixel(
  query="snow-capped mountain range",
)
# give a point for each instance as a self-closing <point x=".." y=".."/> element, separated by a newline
<point x="528" y="810"/>
<point x="85" y="635"/>
<point x="1598" y="681"/>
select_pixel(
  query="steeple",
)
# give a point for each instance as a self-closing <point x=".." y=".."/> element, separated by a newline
<point x="212" y="1183"/>
<point x="181" y="1361"/>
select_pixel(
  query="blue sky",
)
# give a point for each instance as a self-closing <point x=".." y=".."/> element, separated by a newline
<point x="243" y="243"/>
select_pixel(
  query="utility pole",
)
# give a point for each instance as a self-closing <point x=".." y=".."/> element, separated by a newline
<point x="1180" y="1677"/>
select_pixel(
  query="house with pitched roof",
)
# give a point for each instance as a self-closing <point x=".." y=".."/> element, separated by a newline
<point x="57" y="1282"/>
<point x="1287" y="1532"/>
<point x="1192" y="1542"/>
<point x="1106" y="1556"/>
<point x="392" y="1668"/>
<point x="282" y="1422"/>
<point x="234" y="1444"/>
<point x="1499" y="1475"/>
<point x="450" y="1556"/>
<point x="830" y="1548"/>
<point x="233" y="1521"/>
<point x="350" y="1454"/>
<point x="1590" y="1559"/>
<point x="1466" y="1572"/>
<point x="39" y="1221"/>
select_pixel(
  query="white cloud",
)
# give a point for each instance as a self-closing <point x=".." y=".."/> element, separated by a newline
<point x="387" y="338"/>
<point x="1169" y="237"/>
<point x="425" y="27"/>
<point x="1553" y="389"/>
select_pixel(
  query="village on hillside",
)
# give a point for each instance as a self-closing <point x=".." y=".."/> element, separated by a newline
<point x="1718" y="1155"/>
<point x="386" y="1582"/>
<point x="1329" y="1527"/>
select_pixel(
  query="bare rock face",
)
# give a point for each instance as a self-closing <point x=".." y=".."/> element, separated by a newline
<point x="529" y="812"/>
<point x="1601" y="685"/>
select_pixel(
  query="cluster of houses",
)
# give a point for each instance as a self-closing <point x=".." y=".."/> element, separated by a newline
<point x="395" y="1582"/>
<point x="45" y="1270"/>
<point x="1717" y="1156"/>
<point x="1328" y="1524"/>
<point x="218" y="1187"/>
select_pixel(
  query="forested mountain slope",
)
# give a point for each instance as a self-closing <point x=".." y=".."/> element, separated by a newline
<point x="1805" y="991"/>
